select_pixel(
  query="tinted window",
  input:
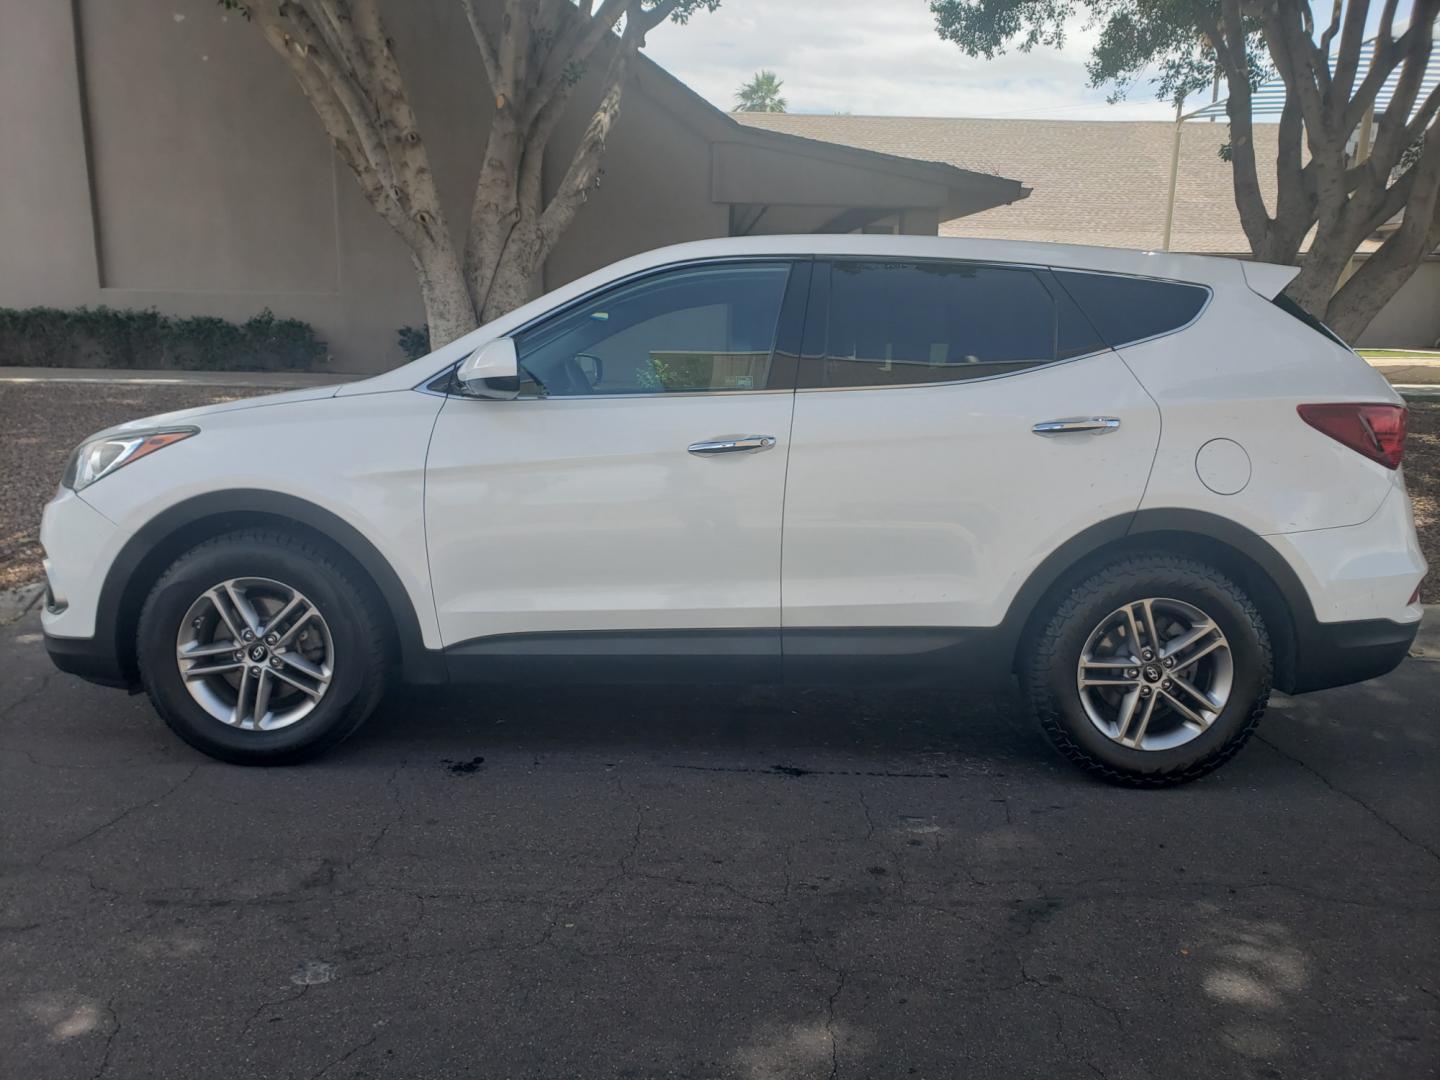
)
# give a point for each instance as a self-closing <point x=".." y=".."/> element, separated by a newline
<point x="695" y="329"/>
<point x="1126" y="309"/>
<point x="896" y="323"/>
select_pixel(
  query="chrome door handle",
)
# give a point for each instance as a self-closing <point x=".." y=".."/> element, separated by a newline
<point x="1096" y="425"/>
<point x="741" y="444"/>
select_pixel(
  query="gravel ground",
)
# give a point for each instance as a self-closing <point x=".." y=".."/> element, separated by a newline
<point x="42" y="424"/>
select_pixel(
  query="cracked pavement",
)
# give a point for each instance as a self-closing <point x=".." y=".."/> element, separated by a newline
<point x="731" y="882"/>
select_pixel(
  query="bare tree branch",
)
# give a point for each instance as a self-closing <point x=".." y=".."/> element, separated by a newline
<point x="488" y="55"/>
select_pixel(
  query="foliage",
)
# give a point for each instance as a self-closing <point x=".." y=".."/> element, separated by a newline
<point x="1325" y="187"/>
<point x="414" y="341"/>
<point x="146" y="339"/>
<point x="760" y="94"/>
<point x="1157" y="38"/>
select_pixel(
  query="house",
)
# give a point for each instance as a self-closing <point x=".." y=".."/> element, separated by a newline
<point x="1105" y="183"/>
<point x="158" y="154"/>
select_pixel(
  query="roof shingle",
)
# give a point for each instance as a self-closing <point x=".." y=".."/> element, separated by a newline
<point x="1094" y="182"/>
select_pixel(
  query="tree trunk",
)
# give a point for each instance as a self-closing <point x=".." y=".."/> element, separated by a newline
<point x="449" y="313"/>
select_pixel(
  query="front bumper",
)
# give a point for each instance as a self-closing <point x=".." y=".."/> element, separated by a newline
<point x="88" y="658"/>
<point x="79" y="544"/>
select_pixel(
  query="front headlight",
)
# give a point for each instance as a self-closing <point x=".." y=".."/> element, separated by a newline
<point x="101" y="457"/>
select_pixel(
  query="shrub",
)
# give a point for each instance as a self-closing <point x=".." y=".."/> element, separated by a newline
<point x="414" y="341"/>
<point x="109" y="338"/>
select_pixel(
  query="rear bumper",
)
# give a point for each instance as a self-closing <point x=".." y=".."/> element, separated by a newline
<point x="88" y="658"/>
<point x="1338" y="654"/>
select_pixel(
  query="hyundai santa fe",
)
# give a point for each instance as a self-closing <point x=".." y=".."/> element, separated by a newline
<point x="1145" y="485"/>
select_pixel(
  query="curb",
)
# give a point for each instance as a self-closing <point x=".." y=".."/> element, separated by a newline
<point x="254" y="380"/>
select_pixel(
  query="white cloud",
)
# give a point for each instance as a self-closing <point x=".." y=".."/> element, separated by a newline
<point x="883" y="58"/>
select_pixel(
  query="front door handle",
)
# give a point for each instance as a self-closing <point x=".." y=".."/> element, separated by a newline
<point x="1096" y="425"/>
<point x="741" y="444"/>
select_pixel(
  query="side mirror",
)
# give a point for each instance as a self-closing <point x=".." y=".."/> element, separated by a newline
<point x="491" y="371"/>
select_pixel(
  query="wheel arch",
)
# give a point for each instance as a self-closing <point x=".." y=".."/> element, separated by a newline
<point x="1244" y="555"/>
<point x="180" y="527"/>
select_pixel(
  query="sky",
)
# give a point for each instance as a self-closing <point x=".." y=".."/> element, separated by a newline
<point x="883" y="57"/>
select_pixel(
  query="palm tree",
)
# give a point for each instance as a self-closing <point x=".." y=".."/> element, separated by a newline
<point x="760" y="94"/>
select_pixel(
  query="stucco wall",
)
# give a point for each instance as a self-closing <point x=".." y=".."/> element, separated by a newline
<point x="1412" y="317"/>
<point x="206" y="185"/>
<point x="156" y="153"/>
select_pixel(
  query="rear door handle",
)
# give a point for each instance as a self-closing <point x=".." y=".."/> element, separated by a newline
<point x="741" y="444"/>
<point x="1096" y="425"/>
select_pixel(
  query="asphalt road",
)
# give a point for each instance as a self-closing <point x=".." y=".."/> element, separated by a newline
<point x="731" y="882"/>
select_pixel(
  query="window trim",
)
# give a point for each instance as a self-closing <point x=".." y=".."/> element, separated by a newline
<point x="441" y="384"/>
<point x="821" y="280"/>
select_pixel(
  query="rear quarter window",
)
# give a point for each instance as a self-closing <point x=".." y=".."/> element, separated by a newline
<point x="1127" y="309"/>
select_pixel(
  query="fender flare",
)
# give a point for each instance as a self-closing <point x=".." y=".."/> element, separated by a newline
<point x="1129" y="532"/>
<point x="152" y="547"/>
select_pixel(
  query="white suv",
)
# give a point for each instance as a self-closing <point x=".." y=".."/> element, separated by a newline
<point x="1138" y="481"/>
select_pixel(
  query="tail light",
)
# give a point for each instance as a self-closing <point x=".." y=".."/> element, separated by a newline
<point x="1377" y="431"/>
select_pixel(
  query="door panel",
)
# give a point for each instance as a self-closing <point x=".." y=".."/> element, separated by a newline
<point x="641" y="487"/>
<point x="567" y="514"/>
<point x="928" y="506"/>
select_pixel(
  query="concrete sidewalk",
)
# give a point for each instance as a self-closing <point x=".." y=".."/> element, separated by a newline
<point x="264" y="380"/>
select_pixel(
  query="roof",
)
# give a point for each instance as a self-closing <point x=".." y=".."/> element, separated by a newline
<point x="988" y="186"/>
<point x="1100" y="182"/>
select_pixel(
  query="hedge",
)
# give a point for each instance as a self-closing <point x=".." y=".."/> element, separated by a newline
<point x="108" y="338"/>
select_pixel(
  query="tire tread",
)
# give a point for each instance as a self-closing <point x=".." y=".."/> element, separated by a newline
<point x="1041" y="658"/>
<point x="374" y="642"/>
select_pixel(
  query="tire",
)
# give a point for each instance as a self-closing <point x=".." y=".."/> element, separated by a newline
<point x="339" y="625"/>
<point x="1082" y="718"/>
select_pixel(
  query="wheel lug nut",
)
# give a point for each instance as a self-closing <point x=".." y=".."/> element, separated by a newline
<point x="1144" y="691"/>
<point x="272" y="639"/>
<point x="1132" y="673"/>
<point x="1149" y="654"/>
<point x="247" y="635"/>
<point x="239" y="656"/>
<point x="275" y="661"/>
<point x="1165" y="685"/>
<point x="1169" y="661"/>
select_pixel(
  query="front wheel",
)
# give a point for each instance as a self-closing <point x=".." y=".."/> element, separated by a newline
<point x="1154" y="670"/>
<point x="261" y="647"/>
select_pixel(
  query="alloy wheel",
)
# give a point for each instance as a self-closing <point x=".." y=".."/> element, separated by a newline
<point x="1155" y="674"/>
<point x="255" y="654"/>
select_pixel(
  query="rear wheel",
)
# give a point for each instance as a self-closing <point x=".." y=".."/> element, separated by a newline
<point x="1152" y="671"/>
<point x="259" y="647"/>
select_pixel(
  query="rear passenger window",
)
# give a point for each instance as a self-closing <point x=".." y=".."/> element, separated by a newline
<point x="896" y="324"/>
<point x="1128" y="309"/>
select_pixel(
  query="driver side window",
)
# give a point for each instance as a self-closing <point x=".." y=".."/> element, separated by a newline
<point x="695" y="329"/>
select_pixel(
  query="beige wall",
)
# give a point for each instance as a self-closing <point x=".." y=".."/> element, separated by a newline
<point x="1412" y="318"/>
<point x="215" y="191"/>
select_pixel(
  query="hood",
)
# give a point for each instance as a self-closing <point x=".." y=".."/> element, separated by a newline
<point x="181" y="417"/>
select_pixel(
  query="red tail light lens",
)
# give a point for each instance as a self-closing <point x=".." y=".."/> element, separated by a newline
<point x="1377" y="431"/>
